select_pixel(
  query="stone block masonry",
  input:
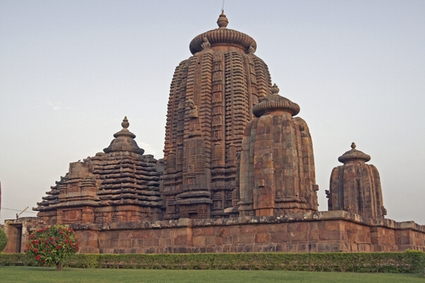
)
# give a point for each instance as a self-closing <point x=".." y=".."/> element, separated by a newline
<point x="328" y="231"/>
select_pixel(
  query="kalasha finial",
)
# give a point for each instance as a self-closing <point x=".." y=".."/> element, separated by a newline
<point x="275" y="90"/>
<point x="125" y="123"/>
<point x="222" y="20"/>
<point x="354" y="154"/>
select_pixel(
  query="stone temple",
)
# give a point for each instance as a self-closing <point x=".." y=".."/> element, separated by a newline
<point x="238" y="174"/>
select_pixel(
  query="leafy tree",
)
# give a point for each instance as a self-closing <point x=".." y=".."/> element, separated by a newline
<point x="3" y="240"/>
<point x="52" y="245"/>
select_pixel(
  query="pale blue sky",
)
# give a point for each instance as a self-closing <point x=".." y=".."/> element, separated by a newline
<point x="71" y="70"/>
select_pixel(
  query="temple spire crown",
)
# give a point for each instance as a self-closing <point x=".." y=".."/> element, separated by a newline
<point x="275" y="102"/>
<point x="125" y="123"/>
<point x="124" y="140"/>
<point x="222" y="36"/>
<point x="354" y="154"/>
<point x="275" y="89"/>
<point x="222" y="21"/>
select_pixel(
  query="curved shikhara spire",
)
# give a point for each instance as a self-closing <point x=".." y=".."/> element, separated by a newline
<point x="277" y="173"/>
<point x="356" y="186"/>
<point x="211" y="99"/>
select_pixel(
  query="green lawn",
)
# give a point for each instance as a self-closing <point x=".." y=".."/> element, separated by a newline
<point x="39" y="274"/>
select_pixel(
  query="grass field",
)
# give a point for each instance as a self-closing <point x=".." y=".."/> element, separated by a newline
<point x="39" y="274"/>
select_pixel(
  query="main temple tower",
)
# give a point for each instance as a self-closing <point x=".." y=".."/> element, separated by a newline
<point x="212" y="95"/>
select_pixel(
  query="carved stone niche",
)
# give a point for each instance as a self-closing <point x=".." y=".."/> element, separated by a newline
<point x="66" y="216"/>
<point x="76" y="215"/>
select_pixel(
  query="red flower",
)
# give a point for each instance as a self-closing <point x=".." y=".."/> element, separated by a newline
<point x="37" y="257"/>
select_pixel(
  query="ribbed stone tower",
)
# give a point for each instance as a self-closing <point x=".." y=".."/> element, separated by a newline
<point x="356" y="186"/>
<point x="277" y="174"/>
<point x="211" y="99"/>
<point x="117" y="185"/>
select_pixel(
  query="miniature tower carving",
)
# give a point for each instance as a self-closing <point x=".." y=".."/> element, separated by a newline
<point x="356" y="186"/>
<point x="211" y="99"/>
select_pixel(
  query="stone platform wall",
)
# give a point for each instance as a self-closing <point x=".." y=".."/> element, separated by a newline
<point x="333" y="231"/>
<point x="329" y="231"/>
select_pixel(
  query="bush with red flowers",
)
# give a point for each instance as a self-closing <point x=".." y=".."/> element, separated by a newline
<point x="52" y="245"/>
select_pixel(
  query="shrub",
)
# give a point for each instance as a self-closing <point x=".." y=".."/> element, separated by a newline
<point x="3" y="240"/>
<point x="52" y="245"/>
<point x="384" y="262"/>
